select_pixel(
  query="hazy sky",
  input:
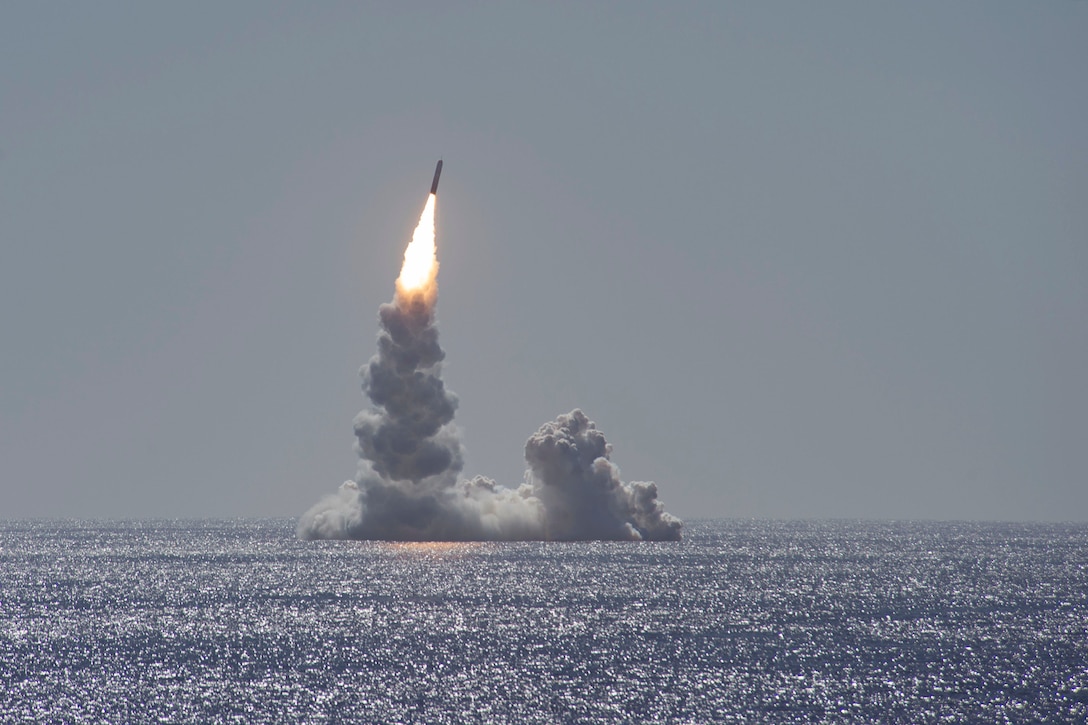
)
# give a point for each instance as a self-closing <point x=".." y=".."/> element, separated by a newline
<point x="795" y="259"/>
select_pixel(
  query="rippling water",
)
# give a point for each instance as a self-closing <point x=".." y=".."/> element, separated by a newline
<point x="742" y="622"/>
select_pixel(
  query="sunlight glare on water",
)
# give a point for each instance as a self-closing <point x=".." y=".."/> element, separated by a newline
<point x="741" y="622"/>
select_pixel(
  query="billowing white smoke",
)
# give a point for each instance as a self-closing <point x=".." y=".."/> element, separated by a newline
<point x="407" y="487"/>
<point x="571" y="474"/>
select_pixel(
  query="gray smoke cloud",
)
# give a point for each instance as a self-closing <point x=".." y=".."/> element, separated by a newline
<point x="572" y="475"/>
<point x="408" y="485"/>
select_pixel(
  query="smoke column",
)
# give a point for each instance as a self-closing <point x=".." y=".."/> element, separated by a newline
<point x="407" y="487"/>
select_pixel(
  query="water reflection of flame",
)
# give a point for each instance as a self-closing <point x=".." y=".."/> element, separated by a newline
<point x="434" y="549"/>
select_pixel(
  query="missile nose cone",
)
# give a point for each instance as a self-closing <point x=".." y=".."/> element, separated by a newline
<point x="437" y="173"/>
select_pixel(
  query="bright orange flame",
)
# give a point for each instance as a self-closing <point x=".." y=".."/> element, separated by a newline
<point x="420" y="269"/>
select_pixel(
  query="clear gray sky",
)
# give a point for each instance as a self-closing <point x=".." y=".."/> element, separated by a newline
<point x="795" y="259"/>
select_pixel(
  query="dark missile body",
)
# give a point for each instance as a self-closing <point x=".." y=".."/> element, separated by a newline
<point x="437" y="173"/>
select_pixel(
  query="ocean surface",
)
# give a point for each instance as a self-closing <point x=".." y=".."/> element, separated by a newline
<point x="743" y="621"/>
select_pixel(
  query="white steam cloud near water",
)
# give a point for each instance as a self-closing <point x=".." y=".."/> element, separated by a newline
<point x="408" y="485"/>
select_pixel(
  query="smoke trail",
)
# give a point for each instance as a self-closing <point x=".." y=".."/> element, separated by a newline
<point x="407" y="486"/>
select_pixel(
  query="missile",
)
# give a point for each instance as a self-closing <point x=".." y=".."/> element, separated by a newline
<point x="437" y="173"/>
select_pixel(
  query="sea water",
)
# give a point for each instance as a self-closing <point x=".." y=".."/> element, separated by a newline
<point x="743" y="621"/>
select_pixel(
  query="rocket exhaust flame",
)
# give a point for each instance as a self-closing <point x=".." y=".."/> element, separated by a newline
<point x="407" y="486"/>
<point x="419" y="273"/>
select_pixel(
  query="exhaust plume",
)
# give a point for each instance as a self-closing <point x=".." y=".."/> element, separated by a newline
<point x="407" y="487"/>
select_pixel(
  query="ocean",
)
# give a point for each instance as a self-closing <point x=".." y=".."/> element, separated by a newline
<point x="743" y="621"/>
